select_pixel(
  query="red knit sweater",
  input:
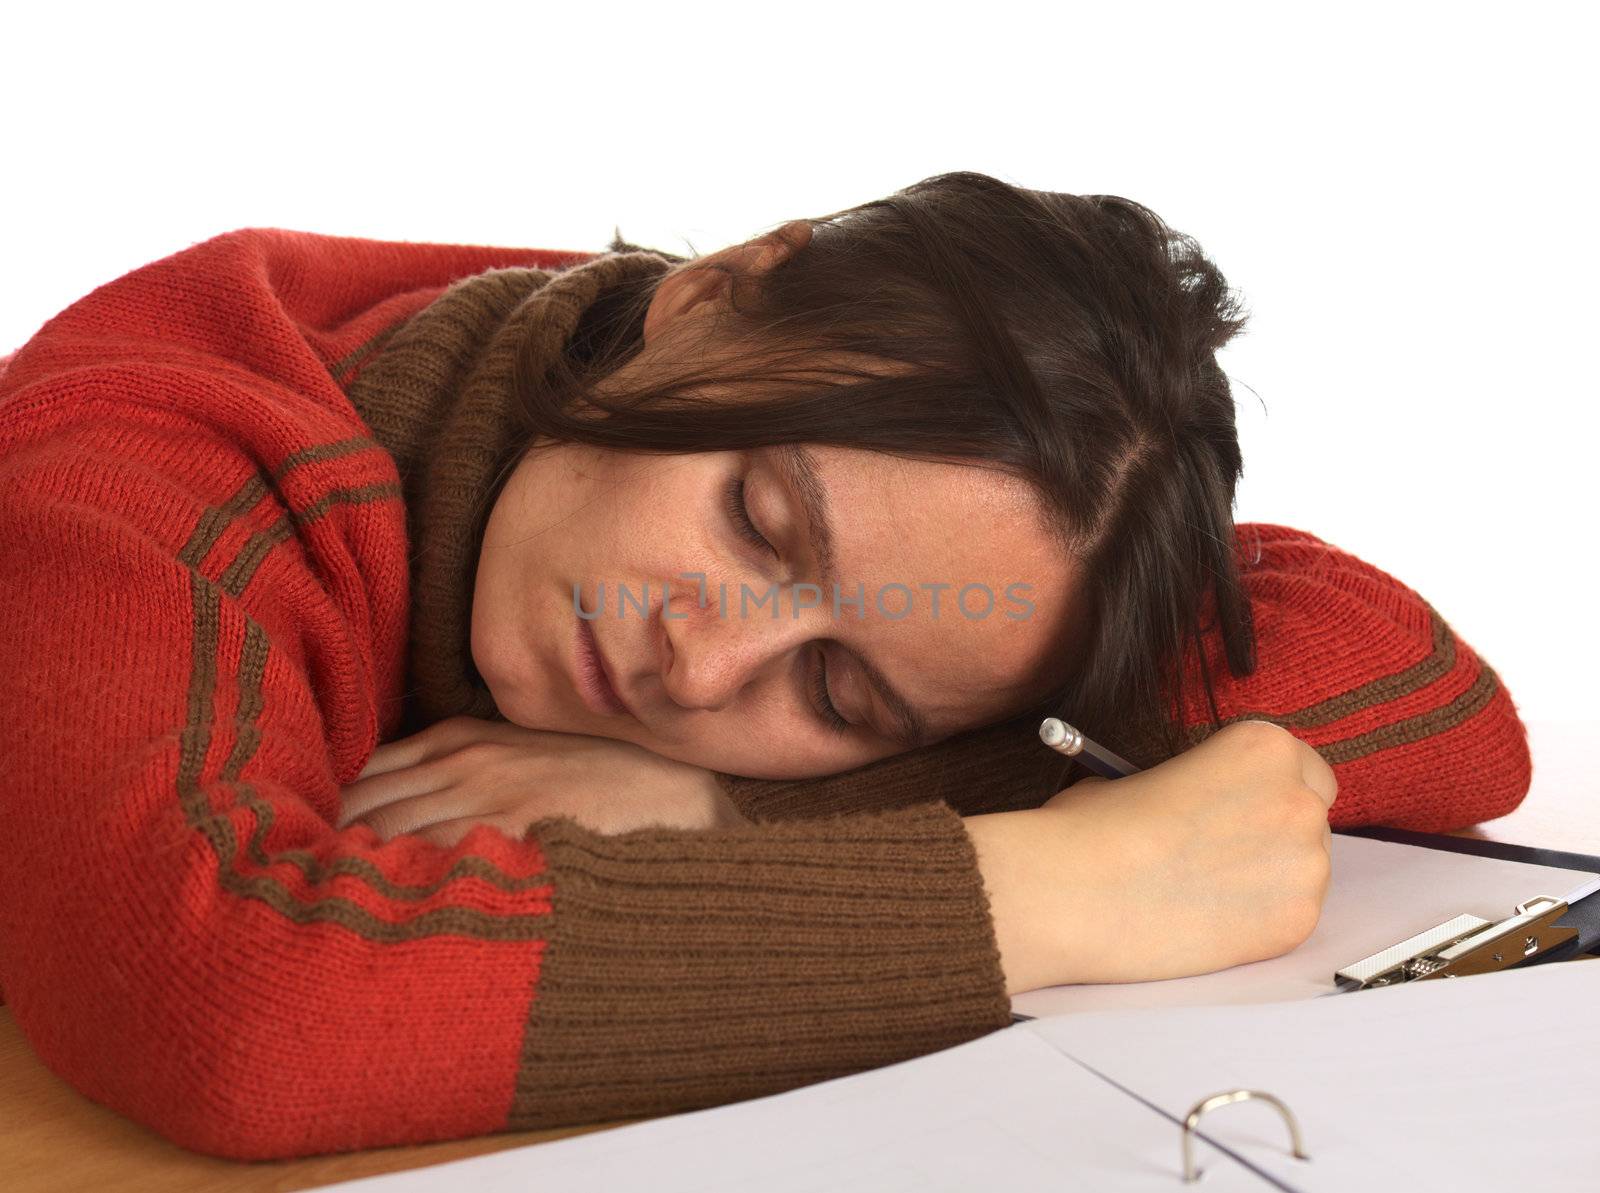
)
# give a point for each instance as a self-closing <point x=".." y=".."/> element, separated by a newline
<point x="203" y="629"/>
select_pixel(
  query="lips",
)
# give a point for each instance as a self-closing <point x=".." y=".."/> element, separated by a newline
<point x="593" y="678"/>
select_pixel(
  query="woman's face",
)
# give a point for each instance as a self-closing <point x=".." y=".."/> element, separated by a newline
<point x="717" y="651"/>
<point x="776" y="613"/>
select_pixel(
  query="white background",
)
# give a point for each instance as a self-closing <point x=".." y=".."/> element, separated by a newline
<point x="1404" y="193"/>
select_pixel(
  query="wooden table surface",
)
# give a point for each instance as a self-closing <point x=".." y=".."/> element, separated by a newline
<point x="53" y="1138"/>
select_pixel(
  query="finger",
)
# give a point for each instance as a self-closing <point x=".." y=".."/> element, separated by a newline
<point x="416" y="814"/>
<point x="1082" y="788"/>
<point x="449" y="833"/>
<point x="367" y="795"/>
<point x="444" y="737"/>
<point x="1318" y="775"/>
<point x="412" y="751"/>
<point x="387" y="757"/>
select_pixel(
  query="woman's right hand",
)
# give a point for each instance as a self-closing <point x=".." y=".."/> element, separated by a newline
<point x="1216" y="857"/>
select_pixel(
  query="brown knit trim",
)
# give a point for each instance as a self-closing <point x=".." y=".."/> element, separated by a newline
<point x="247" y="738"/>
<point x="1381" y="690"/>
<point x="340" y="368"/>
<point x="1440" y="661"/>
<point x="1403" y="732"/>
<point x="819" y="952"/>
<point x="236" y="577"/>
<point x="261" y="542"/>
<point x="324" y="451"/>
<point x="259" y="545"/>
<point x="247" y="710"/>
<point x="986" y="770"/>
<point x="1414" y="728"/>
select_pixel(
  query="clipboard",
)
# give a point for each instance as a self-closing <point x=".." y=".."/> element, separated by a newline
<point x="1582" y="917"/>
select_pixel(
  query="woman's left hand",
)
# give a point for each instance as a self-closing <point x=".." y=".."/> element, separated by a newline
<point x="464" y="771"/>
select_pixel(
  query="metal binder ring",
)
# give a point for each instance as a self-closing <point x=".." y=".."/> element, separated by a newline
<point x="1236" y="1095"/>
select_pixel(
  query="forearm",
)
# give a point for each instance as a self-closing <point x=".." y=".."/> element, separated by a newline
<point x="1022" y="887"/>
<point x="1050" y="883"/>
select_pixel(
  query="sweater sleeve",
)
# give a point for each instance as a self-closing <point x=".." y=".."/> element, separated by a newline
<point x="186" y="938"/>
<point x="1417" y="726"/>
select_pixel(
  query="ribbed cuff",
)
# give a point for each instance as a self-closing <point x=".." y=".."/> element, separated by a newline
<point x="999" y="768"/>
<point x="690" y="969"/>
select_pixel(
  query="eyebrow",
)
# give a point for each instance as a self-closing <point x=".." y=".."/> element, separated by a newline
<point x="799" y="469"/>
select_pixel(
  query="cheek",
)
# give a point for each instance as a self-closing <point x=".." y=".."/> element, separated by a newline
<point x="583" y="522"/>
<point x="665" y="519"/>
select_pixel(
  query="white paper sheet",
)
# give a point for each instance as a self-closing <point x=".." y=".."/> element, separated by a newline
<point x="1483" y="1083"/>
<point x="1380" y="893"/>
<point x="1005" y="1111"/>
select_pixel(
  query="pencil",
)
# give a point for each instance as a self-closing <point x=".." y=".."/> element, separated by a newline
<point x="1064" y="739"/>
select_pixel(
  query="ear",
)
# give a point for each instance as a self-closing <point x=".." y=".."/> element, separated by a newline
<point x="769" y="251"/>
<point x="694" y="286"/>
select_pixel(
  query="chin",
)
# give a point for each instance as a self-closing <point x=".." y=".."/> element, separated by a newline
<point x="522" y="707"/>
<point x="510" y="675"/>
<point x="511" y="695"/>
<point x="525" y="703"/>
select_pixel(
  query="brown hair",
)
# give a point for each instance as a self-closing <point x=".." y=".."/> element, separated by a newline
<point x="1067" y="339"/>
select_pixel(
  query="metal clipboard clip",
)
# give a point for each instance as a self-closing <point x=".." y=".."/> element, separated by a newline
<point x="1464" y="945"/>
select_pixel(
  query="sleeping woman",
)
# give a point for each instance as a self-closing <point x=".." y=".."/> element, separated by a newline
<point x="450" y="689"/>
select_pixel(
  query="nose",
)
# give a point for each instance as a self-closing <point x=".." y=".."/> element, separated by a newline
<point x="714" y="648"/>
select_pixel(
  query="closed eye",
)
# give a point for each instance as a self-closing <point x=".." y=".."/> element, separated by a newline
<point x="738" y="511"/>
<point x="739" y="514"/>
<point x="822" y="702"/>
